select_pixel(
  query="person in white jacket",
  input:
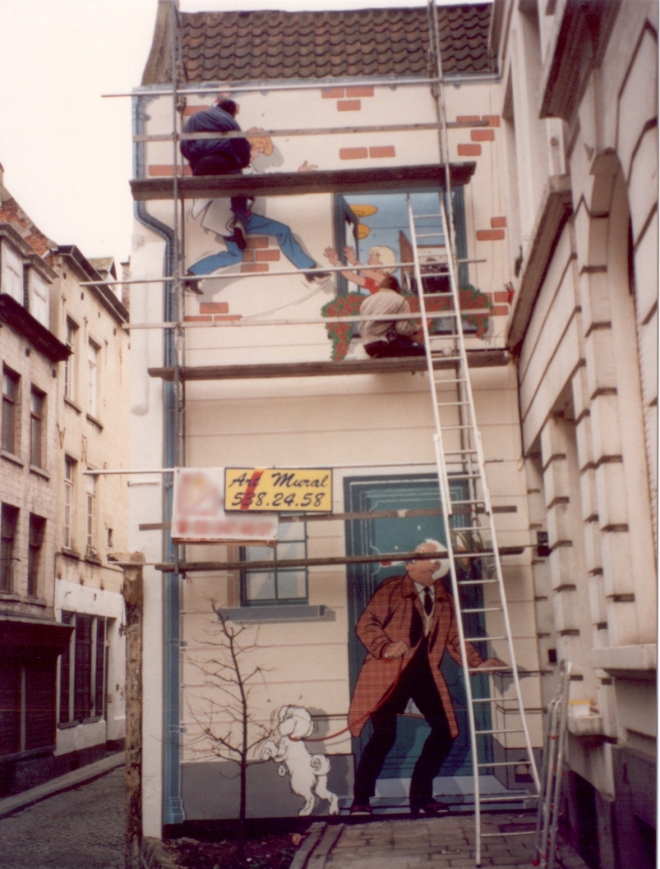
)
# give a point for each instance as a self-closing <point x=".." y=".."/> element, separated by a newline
<point x="383" y="338"/>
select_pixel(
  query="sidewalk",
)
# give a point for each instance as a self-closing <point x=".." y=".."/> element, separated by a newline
<point x="437" y="843"/>
<point x="84" y="774"/>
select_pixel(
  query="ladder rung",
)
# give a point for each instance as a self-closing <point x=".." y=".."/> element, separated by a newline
<point x="485" y="609"/>
<point x="483" y="640"/>
<point x="509" y="799"/>
<point x="460" y="453"/>
<point x="453" y="403"/>
<point x="503" y="763"/>
<point x="531" y="832"/>
<point x="421" y="216"/>
<point x="476" y="581"/>
<point x="493" y="732"/>
<point x="487" y="669"/>
<point x="438" y="234"/>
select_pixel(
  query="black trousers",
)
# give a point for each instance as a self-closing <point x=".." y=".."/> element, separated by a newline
<point x="401" y="345"/>
<point x="218" y="165"/>
<point x="415" y="683"/>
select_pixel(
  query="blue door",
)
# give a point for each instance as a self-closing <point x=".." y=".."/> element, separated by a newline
<point x="417" y="492"/>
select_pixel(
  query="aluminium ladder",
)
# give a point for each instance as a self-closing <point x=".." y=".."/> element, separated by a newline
<point x="478" y="587"/>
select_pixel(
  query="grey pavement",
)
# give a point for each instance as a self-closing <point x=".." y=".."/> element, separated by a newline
<point x="79" y="828"/>
<point x="437" y="843"/>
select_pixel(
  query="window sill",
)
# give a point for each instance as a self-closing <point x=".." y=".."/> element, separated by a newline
<point x="70" y="553"/>
<point x="92" y="559"/>
<point x="94" y="421"/>
<point x="39" y="472"/>
<point x="72" y="405"/>
<point x="35" y="601"/>
<point x="276" y="613"/>
<point x="10" y="457"/>
<point x="30" y="752"/>
<point x="67" y="725"/>
<point x="9" y="597"/>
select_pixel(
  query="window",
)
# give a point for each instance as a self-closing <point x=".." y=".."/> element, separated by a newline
<point x="70" y="362"/>
<point x="92" y="378"/>
<point x="10" y="411"/>
<point x="27" y="705"/>
<point x="9" y="524"/>
<point x="83" y="669"/>
<point x="37" y="408"/>
<point x="69" y="501"/>
<point x="288" y="585"/>
<point x="91" y="515"/>
<point x="35" y="545"/>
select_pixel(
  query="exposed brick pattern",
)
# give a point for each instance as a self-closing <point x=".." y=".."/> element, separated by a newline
<point x="213" y="308"/>
<point x="467" y="119"/>
<point x="349" y="105"/>
<point x="486" y="135"/>
<point x="466" y="150"/>
<point x="353" y="153"/>
<point x="499" y="310"/>
<point x="255" y="241"/>
<point x="362" y="91"/>
<point x="382" y="151"/>
<point x="333" y="93"/>
<point x="256" y="267"/>
<point x="263" y="256"/>
<point x="498" y="222"/>
<point x="493" y="120"/>
<point x="157" y="170"/>
<point x="490" y="234"/>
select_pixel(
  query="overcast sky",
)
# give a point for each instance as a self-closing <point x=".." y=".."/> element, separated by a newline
<point x="65" y="150"/>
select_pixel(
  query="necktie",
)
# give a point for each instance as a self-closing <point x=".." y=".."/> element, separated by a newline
<point x="428" y="601"/>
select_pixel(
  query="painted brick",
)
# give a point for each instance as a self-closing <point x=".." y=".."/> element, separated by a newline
<point x="255" y="241"/>
<point x="198" y="319"/>
<point x="332" y="93"/>
<point x="493" y="120"/>
<point x="161" y="171"/>
<point x="498" y="222"/>
<point x="230" y="318"/>
<point x="469" y="150"/>
<point x="361" y="91"/>
<point x="353" y="153"/>
<point x="382" y="151"/>
<point x="502" y="298"/>
<point x="248" y="256"/>
<point x="490" y="234"/>
<point x="192" y="110"/>
<point x="213" y="308"/>
<point x="482" y="135"/>
<point x="467" y="119"/>
<point x="264" y="256"/>
<point x="349" y="105"/>
<point x="499" y="310"/>
<point x="257" y="267"/>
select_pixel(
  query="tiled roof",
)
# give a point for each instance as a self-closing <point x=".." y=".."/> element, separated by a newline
<point x="236" y="46"/>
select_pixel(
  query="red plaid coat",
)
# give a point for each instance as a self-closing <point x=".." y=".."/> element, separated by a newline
<point x="388" y="618"/>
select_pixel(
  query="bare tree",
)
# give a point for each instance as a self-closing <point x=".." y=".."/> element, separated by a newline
<point x="228" y="727"/>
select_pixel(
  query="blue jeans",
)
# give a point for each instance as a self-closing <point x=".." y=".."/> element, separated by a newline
<point x="256" y="225"/>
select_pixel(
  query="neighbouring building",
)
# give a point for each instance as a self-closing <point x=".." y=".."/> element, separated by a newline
<point x="555" y="234"/>
<point x="64" y="405"/>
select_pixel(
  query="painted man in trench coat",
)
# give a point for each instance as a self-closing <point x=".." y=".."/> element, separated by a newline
<point x="406" y="627"/>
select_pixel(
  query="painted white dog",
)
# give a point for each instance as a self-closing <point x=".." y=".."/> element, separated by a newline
<point x="309" y="772"/>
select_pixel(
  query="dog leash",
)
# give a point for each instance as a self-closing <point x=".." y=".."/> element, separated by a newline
<point x="386" y="696"/>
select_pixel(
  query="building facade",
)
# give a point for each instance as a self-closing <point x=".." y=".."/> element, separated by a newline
<point x="579" y="108"/>
<point x="61" y="645"/>
<point x="555" y="231"/>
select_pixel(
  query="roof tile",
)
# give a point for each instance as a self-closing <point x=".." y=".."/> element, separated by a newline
<point x="243" y="46"/>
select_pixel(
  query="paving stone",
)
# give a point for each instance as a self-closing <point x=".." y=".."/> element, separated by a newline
<point x="79" y="829"/>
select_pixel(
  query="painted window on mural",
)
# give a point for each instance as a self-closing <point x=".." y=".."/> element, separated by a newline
<point x="279" y="585"/>
<point x="10" y="410"/>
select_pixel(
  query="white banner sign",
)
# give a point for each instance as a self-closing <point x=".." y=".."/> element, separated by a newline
<point x="198" y="514"/>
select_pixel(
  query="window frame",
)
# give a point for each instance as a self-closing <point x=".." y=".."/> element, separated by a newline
<point x="91" y="507"/>
<point x="10" y="411"/>
<point x="248" y="601"/>
<point x="36" y="535"/>
<point x="69" y="513"/>
<point x="70" y="379"/>
<point x="9" y="517"/>
<point x="83" y="670"/>
<point x="37" y="427"/>
<point x="93" y="368"/>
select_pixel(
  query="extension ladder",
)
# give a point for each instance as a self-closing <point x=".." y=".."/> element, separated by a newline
<point x="478" y="587"/>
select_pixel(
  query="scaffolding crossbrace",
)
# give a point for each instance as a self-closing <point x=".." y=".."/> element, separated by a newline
<point x="468" y="517"/>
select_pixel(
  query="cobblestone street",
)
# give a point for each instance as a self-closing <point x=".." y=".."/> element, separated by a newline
<point x="79" y="829"/>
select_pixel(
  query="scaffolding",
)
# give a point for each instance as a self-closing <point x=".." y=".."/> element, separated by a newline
<point x="446" y="352"/>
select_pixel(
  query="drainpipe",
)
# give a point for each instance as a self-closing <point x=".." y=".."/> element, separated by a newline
<point x="173" y="812"/>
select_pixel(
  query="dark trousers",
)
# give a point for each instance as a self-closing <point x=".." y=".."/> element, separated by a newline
<point x="401" y="345"/>
<point x="219" y="165"/>
<point x="415" y="683"/>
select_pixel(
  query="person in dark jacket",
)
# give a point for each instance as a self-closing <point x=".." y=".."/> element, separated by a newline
<point x="220" y="156"/>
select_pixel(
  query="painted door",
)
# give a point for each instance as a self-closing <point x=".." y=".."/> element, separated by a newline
<point x="372" y="536"/>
